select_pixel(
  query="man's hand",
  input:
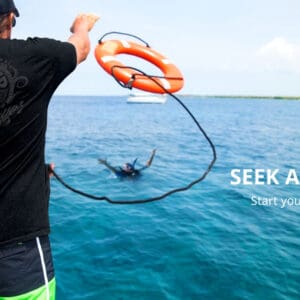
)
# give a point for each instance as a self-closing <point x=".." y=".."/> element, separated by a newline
<point x="84" y="22"/>
<point x="51" y="167"/>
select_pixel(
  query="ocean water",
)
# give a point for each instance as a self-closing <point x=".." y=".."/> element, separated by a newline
<point x="210" y="242"/>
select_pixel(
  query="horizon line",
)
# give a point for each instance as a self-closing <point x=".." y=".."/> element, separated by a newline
<point x="191" y="95"/>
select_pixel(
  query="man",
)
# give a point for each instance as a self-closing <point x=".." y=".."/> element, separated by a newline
<point x="128" y="169"/>
<point x="30" y="72"/>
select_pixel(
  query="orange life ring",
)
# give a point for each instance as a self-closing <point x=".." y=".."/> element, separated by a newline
<point x="106" y="52"/>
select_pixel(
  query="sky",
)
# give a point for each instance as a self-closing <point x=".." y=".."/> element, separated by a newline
<point x="232" y="47"/>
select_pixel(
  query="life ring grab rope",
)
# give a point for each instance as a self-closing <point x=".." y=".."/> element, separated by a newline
<point x="123" y="33"/>
<point x="106" y="52"/>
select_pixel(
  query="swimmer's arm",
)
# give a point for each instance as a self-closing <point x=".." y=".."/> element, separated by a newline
<point x="149" y="162"/>
<point x="107" y="165"/>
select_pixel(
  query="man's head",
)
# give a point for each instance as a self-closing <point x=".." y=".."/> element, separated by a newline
<point x="8" y="12"/>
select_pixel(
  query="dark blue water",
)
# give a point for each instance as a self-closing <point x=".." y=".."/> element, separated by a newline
<point x="210" y="242"/>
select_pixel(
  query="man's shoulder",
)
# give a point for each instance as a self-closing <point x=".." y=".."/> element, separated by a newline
<point x="41" y="42"/>
<point x="42" y="46"/>
<point x="32" y="40"/>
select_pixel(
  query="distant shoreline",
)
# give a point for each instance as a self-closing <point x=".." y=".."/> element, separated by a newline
<point x="199" y="96"/>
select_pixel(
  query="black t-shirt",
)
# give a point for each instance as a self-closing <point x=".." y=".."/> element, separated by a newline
<point x="30" y="72"/>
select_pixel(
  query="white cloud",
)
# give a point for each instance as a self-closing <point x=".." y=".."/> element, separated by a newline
<point x="279" y="54"/>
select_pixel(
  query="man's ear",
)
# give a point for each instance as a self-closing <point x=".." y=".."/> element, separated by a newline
<point x="12" y="19"/>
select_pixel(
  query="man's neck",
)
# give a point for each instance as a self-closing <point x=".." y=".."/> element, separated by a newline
<point x="6" y="34"/>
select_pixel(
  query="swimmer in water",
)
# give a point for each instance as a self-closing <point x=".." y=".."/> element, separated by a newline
<point x="128" y="169"/>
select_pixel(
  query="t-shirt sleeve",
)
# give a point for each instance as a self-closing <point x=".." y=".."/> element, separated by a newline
<point x="62" y="53"/>
<point x="66" y="58"/>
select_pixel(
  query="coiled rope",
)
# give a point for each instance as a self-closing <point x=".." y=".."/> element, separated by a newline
<point x="166" y="194"/>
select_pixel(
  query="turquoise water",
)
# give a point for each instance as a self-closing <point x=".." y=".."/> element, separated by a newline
<point x="206" y="243"/>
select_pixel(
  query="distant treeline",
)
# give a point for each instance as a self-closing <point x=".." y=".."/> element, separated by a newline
<point x="243" y="97"/>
